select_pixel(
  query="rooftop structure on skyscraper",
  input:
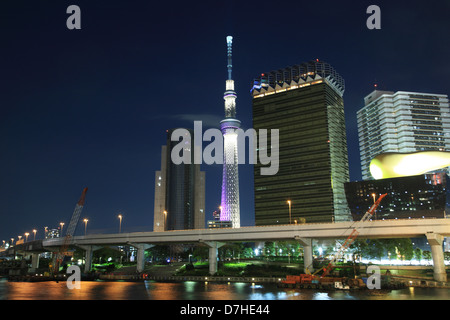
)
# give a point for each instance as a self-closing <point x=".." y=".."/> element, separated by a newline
<point x="297" y="76"/>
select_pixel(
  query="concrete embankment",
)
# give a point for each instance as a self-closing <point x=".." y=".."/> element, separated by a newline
<point x="407" y="281"/>
<point x="216" y="279"/>
<point x="421" y="282"/>
<point x="407" y="275"/>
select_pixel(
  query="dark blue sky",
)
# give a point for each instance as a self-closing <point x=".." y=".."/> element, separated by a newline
<point x="90" y="107"/>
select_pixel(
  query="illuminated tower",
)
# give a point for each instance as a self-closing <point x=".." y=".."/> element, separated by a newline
<point x="230" y="182"/>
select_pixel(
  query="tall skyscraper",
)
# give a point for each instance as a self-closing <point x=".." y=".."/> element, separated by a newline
<point x="305" y="102"/>
<point x="402" y="122"/>
<point x="230" y="209"/>
<point x="179" y="192"/>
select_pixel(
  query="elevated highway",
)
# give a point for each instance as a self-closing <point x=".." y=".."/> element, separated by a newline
<point x="433" y="229"/>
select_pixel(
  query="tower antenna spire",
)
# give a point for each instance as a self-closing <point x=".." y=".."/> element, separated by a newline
<point x="229" y="53"/>
<point x="230" y="207"/>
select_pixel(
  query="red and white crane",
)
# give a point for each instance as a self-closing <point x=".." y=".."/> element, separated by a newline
<point x="351" y="238"/>
<point x="59" y="256"/>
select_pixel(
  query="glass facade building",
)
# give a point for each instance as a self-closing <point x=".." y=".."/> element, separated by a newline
<point x="305" y="103"/>
<point x="413" y="197"/>
<point x="402" y="122"/>
<point x="179" y="192"/>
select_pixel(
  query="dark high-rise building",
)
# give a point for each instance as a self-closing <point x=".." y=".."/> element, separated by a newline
<point x="412" y="197"/>
<point x="305" y="103"/>
<point x="179" y="192"/>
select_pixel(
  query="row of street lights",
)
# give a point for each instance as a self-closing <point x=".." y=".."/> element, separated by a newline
<point x="85" y="220"/>
<point x="26" y="234"/>
<point x="289" y="202"/>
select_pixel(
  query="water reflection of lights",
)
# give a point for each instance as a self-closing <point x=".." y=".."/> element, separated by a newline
<point x="240" y="287"/>
<point x="263" y="296"/>
<point x="411" y="291"/>
<point x="321" y="296"/>
<point x="190" y="286"/>
<point x="191" y="290"/>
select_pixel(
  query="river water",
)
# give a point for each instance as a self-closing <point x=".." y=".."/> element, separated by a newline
<point x="190" y="290"/>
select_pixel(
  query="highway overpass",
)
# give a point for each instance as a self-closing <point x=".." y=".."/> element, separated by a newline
<point x="433" y="229"/>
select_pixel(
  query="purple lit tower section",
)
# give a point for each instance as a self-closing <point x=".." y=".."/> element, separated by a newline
<point x="230" y="210"/>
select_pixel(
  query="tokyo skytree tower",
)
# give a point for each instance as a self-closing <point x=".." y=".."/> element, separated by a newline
<point x="230" y="182"/>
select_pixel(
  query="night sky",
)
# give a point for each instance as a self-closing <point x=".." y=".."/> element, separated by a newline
<point x="90" y="107"/>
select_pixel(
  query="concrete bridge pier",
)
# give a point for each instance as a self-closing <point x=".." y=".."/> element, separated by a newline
<point x="437" y="252"/>
<point x="140" y="257"/>
<point x="213" y="253"/>
<point x="307" y="253"/>
<point x="89" y="250"/>
<point x="34" y="262"/>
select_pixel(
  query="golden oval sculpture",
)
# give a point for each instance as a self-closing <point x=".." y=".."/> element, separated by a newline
<point x="392" y="164"/>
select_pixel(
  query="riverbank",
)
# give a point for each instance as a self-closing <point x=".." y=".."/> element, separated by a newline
<point x="405" y="281"/>
<point x="248" y="272"/>
<point x="245" y="272"/>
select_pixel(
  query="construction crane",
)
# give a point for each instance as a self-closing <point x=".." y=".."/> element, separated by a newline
<point x="311" y="280"/>
<point x="351" y="238"/>
<point x="59" y="256"/>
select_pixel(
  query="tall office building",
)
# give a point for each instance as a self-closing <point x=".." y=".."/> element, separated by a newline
<point x="402" y="122"/>
<point x="305" y="102"/>
<point x="230" y="208"/>
<point x="179" y="192"/>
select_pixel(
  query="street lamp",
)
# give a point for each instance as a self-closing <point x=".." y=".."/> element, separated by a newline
<point x="26" y="236"/>
<point x="120" y="222"/>
<point x="374" y="198"/>
<point x="165" y="219"/>
<point x="34" y="231"/>
<point x="289" y="203"/>
<point x="62" y="225"/>
<point x="85" y="225"/>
